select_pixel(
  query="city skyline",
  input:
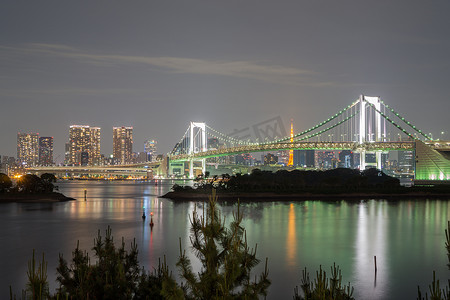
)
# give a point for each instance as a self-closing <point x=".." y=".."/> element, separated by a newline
<point x="230" y="65"/>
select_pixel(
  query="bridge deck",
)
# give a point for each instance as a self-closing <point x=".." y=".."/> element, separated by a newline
<point x="375" y="146"/>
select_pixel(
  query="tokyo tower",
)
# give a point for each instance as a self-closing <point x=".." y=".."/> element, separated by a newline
<point x="291" y="152"/>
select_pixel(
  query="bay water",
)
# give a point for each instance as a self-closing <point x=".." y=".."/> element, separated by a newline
<point x="406" y="236"/>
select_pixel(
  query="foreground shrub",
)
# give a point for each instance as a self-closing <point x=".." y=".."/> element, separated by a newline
<point x="115" y="273"/>
<point x="226" y="261"/>
<point x="436" y="293"/>
<point x="323" y="288"/>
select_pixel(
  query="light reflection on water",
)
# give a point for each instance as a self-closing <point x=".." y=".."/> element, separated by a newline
<point x="407" y="236"/>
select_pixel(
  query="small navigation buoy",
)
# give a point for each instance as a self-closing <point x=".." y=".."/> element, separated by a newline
<point x="85" y="194"/>
<point x="143" y="216"/>
<point x="375" y="262"/>
<point x="151" y="220"/>
<point x="156" y="183"/>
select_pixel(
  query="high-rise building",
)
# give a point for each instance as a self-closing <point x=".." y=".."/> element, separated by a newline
<point x="67" y="153"/>
<point x="270" y="159"/>
<point x="28" y="148"/>
<point x="46" y="151"/>
<point x="123" y="144"/>
<point x="406" y="161"/>
<point x="326" y="160"/>
<point x="150" y="149"/>
<point x="346" y="159"/>
<point x="309" y="158"/>
<point x="304" y="158"/>
<point x="298" y="158"/>
<point x="84" y="145"/>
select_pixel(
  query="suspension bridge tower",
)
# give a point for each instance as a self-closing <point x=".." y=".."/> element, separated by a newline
<point x="370" y="128"/>
<point x="197" y="143"/>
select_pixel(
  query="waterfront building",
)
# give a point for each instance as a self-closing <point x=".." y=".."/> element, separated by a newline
<point x="28" y="148"/>
<point x="7" y="164"/>
<point x="123" y="144"/>
<point x="150" y="149"/>
<point x="283" y="157"/>
<point x="139" y="157"/>
<point x="46" y="151"/>
<point x="245" y="159"/>
<point x="326" y="160"/>
<point x="346" y="159"/>
<point x="298" y="158"/>
<point x="406" y="162"/>
<point x="304" y="158"/>
<point x="309" y="158"/>
<point x="270" y="159"/>
<point x="66" y="153"/>
<point x="384" y="160"/>
<point x="84" y="145"/>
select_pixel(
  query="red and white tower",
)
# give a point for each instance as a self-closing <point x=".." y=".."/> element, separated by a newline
<point x="291" y="152"/>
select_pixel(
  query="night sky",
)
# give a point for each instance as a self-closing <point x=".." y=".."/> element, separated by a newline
<point x="157" y="65"/>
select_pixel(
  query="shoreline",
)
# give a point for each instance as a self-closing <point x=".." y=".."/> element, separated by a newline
<point x="34" y="198"/>
<point x="270" y="196"/>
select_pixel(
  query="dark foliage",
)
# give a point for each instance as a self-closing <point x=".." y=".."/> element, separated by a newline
<point x="226" y="261"/>
<point x="339" y="180"/>
<point x="5" y="182"/>
<point x="115" y="275"/>
<point x="33" y="184"/>
<point x="48" y="177"/>
<point x="436" y="293"/>
<point x="323" y="288"/>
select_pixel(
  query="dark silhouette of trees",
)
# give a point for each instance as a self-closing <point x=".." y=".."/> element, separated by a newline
<point x="339" y="180"/>
<point x="47" y="182"/>
<point x="30" y="184"/>
<point x="33" y="184"/>
<point x="48" y="177"/>
<point x="37" y="284"/>
<point x="226" y="261"/>
<point x="116" y="273"/>
<point x="323" y="288"/>
<point x="436" y="293"/>
<point x="5" y="182"/>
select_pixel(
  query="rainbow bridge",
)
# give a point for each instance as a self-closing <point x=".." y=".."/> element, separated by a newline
<point x="367" y="125"/>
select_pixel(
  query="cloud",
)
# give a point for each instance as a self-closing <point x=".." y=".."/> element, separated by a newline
<point x="239" y="69"/>
<point x="29" y="93"/>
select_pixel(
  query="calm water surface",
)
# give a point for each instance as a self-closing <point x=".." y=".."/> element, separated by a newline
<point x="406" y="236"/>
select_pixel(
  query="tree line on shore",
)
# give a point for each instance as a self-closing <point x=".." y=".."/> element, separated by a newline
<point x="341" y="180"/>
<point x="226" y="270"/>
<point x="28" y="184"/>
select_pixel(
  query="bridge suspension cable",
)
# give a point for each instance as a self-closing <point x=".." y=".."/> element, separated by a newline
<point x="180" y="145"/>
<point x="226" y="138"/>
<point x="329" y="128"/>
<point x="393" y="123"/>
<point x="405" y="121"/>
<point x="318" y="125"/>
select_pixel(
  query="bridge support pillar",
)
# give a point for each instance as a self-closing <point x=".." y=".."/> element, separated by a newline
<point x="362" y="160"/>
<point x="203" y="165"/>
<point x="191" y="169"/>
<point x="378" y="157"/>
<point x="363" y="163"/>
